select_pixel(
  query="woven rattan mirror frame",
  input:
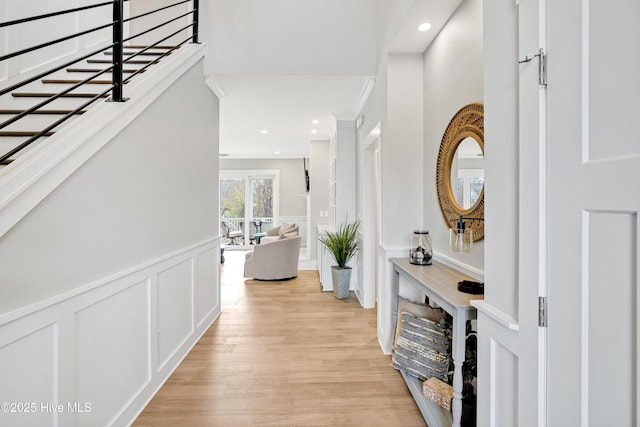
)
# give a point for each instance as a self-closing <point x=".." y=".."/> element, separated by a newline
<point x="467" y="122"/>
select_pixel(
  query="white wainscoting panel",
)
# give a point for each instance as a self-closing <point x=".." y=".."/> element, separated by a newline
<point x="498" y="371"/>
<point x="112" y="352"/>
<point x="386" y="326"/>
<point x="29" y="372"/>
<point x="95" y="352"/>
<point x="301" y="220"/>
<point x="610" y="353"/>
<point x="358" y="274"/>
<point x="175" y="310"/>
<point x="207" y="293"/>
<point x="504" y="386"/>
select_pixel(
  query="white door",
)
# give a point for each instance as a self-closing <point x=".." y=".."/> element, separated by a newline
<point x="532" y="96"/>
<point x="593" y="203"/>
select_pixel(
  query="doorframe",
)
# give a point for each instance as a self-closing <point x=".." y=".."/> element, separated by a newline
<point x="370" y="212"/>
<point x="533" y="229"/>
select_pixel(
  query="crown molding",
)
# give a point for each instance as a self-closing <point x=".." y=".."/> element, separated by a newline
<point x="366" y="90"/>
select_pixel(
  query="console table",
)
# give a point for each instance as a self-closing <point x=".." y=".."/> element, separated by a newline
<point x="439" y="283"/>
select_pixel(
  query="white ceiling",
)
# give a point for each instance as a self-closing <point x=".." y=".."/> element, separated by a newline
<point x="436" y="12"/>
<point x="279" y="64"/>
<point x="286" y="107"/>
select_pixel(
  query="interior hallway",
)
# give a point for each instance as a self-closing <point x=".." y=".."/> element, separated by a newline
<point x="284" y="354"/>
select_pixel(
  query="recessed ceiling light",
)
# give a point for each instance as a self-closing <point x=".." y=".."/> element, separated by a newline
<point x="314" y="131"/>
<point x="425" y="26"/>
<point x="265" y="131"/>
<point x="315" y="122"/>
<point x="277" y="151"/>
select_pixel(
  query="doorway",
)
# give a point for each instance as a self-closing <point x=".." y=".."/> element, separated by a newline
<point x="370" y="187"/>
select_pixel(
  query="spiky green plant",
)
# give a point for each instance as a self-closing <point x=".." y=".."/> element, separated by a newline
<point x="343" y="243"/>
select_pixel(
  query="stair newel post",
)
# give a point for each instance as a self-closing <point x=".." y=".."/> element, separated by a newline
<point x="118" y="26"/>
<point x="196" y="11"/>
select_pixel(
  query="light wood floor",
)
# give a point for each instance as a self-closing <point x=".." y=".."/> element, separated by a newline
<point x="284" y="354"/>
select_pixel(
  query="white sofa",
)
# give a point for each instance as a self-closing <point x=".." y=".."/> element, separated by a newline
<point x="274" y="260"/>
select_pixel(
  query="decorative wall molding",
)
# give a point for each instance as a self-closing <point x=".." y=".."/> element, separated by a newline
<point x="301" y="220"/>
<point x="367" y="88"/>
<point x="386" y="325"/>
<point x="109" y="280"/>
<point x="136" y="325"/>
<point x="496" y="315"/>
<point x="498" y="340"/>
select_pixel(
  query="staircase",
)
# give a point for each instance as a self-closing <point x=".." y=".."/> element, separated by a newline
<point x="28" y="115"/>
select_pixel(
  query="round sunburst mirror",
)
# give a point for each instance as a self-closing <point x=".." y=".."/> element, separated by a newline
<point x="460" y="169"/>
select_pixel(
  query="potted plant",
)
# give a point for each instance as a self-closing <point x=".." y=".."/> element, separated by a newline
<point x="342" y="245"/>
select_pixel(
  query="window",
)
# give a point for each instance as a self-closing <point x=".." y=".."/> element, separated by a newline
<point x="248" y="204"/>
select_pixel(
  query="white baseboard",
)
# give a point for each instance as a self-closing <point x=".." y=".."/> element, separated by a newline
<point x="308" y="264"/>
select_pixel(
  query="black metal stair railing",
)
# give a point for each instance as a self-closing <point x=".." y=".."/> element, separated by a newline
<point x="115" y="65"/>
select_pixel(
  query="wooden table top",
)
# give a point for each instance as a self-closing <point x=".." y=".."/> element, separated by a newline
<point x="440" y="279"/>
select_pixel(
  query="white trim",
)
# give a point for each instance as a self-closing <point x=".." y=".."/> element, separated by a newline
<point x="367" y="88"/>
<point x="27" y="181"/>
<point x="369" y="211"/>
<point x="40" y="305"/>
<point x="215" y="86"/>
<point x="456" y="264"/>
<point x="584" y="324"/>
<point x="395" y="251"/>
<point x="184" y="352"/>
<point x="266" y="156"/>
<point x="386" y="326"/>
<point x="496" y="315"/>
<point x="61" y="316"/>
<point x="543" y="209"/>
<point x="250" y="173"/>
<point x="584" y="256"/>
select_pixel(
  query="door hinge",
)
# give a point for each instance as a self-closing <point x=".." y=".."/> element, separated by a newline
<point x="542" y="312"/>
<point x="542" y="65"/>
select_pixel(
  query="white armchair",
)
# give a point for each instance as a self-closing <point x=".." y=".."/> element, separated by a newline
<point x="274" y="260"/>
<point x="280" y="232"/>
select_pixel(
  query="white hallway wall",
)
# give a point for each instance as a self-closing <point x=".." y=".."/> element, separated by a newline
<point x="500" y="348"/>
<point x="414" y="99"/>
<point x="111" y="279"/>
<point x="149" y="192"/>
<point x="398" y="147"/>
<point x="453" y="78"/>
<point x="318" y="188"/>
